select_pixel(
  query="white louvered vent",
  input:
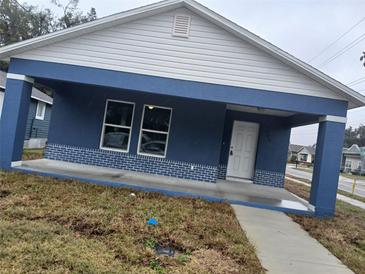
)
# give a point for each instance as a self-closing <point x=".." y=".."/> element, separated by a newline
<point x="181" y="26"/>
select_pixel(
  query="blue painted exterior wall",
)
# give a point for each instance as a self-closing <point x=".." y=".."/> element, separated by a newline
<point x="13" y="121"/>
<point x="327" y="167"/>
<point x="78" y="112"/>
<point x="272" y="147"/>
<point x="37" y="128"/>
<point x="180" y="88"/>
<point x="194" y="139"/>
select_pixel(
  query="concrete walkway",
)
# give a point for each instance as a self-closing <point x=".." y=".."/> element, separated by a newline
<point x="340" y="197"/>
<point x="283" y="246"/>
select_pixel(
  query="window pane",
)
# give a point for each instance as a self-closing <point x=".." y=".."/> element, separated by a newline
<point x="119" y="114"/>
<point x="40" y="109"/>
<point x="156" y="118"/>
<point x="115" y="137"/>
<point x="153" y="143"/>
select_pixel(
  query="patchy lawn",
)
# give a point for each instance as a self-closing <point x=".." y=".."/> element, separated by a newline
<point x="32" y="154"/>
<point x="54" y="226"/>
<point x="344" y="235"/>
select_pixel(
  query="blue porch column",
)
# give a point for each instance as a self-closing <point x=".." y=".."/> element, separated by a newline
<point x="14" y="118"/>
<point x="327" y="165"/>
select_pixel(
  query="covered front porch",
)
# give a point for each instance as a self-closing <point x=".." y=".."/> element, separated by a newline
<point x="242" y="193"/>
<point x="99" y="119"/>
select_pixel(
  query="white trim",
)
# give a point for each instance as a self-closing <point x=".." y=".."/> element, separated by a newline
<point x="44" y="101"/>
<point x="119" y="126"/>
<point x="16" y="163"/>
<point x="240" y="180"/>
<point x="331" y="118"/>
<point x="154" y="131"/>
<point x="20" y="77"/>
<point x="352" y="96"/>
<point x="43" y="114"/>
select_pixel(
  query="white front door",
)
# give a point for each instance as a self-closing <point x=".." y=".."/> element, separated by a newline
<point x="242" y="152"/>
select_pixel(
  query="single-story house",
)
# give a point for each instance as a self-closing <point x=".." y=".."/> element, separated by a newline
<point x="353" y="159"/>
<point x="175" y="89"/>
<point x="39" y="115"/>
<point x="293" y="152"/>
<point x="306" y="154"/>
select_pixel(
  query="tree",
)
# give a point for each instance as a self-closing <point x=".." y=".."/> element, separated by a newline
<point x="355" y="136"/>
<point x="72" y="16"/>
<point x="19" y="22"/>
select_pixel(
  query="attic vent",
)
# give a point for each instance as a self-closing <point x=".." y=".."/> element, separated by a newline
<point x="181" y="26"/>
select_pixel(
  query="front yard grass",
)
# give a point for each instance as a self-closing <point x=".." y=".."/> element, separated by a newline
<point x="32" y="154"/>
<point x="60" y="226"/>
<point x="343" y="235"/>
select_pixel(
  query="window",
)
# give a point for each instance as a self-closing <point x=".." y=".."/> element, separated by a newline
<point x="154" y="133"/>
<point x="41" y="110"/>
<point x="303" y="157"/>
<point x="117" y="125"/>
<point x="348" y="164"/>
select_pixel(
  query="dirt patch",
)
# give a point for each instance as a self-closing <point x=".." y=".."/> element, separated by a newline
<point x="4" y="193"/>
<point x="211" y="261"/>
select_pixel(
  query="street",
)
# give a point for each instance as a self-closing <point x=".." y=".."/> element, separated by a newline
<point x="345" y="184"/>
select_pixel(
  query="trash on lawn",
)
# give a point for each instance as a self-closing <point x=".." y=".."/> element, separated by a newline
<point x="132" y="194"/>
<point x="164" y="251"/>
<point x="152" y="221"/>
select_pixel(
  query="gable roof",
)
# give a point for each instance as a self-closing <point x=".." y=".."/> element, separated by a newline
<point x="354" y="149"/>
<point x="295" y="148"/>
<point x="36" y="93"/>
<point x="354" y="98"/>
<point x="311" y="150"/>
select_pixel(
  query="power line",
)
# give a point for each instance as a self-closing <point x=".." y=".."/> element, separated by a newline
<point x="343" y="50"/>
<point x="335" y="41"/>
<point x="357" y="81"/>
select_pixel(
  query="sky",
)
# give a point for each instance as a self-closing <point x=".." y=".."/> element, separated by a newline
<point x="304" y="28"/>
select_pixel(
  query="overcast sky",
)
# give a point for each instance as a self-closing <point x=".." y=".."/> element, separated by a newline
<point x="301" y="27"/>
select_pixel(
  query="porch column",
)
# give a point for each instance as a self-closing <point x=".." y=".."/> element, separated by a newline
<point x="14" y="118"/>
<point x="327" y="165"/>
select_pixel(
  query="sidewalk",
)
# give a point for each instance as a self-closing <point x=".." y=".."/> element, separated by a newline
<point x="283" y="247"/>
<point x="340" y="197"/>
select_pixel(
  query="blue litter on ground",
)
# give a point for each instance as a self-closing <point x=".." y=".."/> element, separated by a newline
<point x="152" y="221"/>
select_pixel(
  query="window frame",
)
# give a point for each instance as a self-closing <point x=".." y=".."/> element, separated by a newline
<point x="118" y="126"/>
<point x="42" y="116"/>
<point x="154" y="131"/>
<point x="348" y="162"/>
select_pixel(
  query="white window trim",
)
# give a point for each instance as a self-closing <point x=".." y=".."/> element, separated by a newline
<point x="40" y="117"/>
<point x="154" y="131"/>
<point x="348" y="164"/>
<point x="119" y="126"/>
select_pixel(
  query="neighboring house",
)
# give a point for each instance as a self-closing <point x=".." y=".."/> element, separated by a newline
<point x="353" y="159"/>
<point x="38" y="118"/>
<point x="306" y="154"/>
<point x="301" y="153"/>
<point x="293" y="152"/>
<point x="177" y="90"/>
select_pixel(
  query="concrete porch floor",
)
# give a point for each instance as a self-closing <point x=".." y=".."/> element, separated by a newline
<point x="247" y="194"/>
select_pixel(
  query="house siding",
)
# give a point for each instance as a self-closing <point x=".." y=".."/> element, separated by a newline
<point x="37" y="128"/>
<point x="194" y="138"/>
<point x="210" y="54"/>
